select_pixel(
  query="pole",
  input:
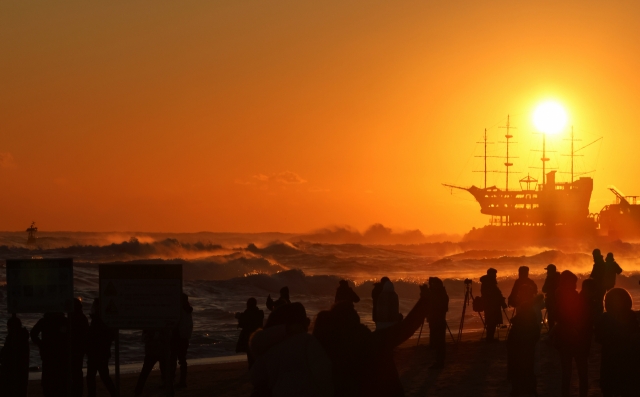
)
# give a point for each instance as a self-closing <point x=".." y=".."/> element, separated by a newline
<point x="117" y="362"/>
<point x="420" y="333"/>
<point x="571" y="154"/>
<point x="544" y="158"/>
<point x="485" y="158"/>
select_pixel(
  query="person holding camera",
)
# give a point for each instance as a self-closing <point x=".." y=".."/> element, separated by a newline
<point x="523" y="283"/>
<point x="493" y="302"/>
<point x="250" y="320"/>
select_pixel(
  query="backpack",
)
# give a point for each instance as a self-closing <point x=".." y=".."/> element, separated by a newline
<point x="478" y="304"/>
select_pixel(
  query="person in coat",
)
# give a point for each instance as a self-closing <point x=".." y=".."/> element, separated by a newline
<point x="375" y="294"/>
<point x="346" y="293"/>
<point x="522" y="280"/>
<point x="250" y="321"/>
<point x="99" y="340"/>
<point x="549" y="289"/>
<point x="493" y="302"/>
<point x="618" y="331"/>
<point x="437" y="318"/>
<point x="573" y="333"/>
<point x="282" y="300"/>
<point x="51" y="335"/>
<point x="289" y="360"/>
<point x="14" y="359"/>
<point x="180" y="342"/>
<point x="79" y="328"/>
<point x="388" y="307"/>
<point x="363" y="361"/>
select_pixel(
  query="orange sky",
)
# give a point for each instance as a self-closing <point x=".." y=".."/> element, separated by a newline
<point x="289" y="115"/>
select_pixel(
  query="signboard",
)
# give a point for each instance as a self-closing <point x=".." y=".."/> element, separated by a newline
<point x="140" y="296"/>
<point x="39" y="285"/>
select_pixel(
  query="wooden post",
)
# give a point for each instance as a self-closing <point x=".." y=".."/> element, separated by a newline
<point x="117" y="362"/>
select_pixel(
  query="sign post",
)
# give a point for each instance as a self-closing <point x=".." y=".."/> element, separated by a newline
<point x="139" y="297"/>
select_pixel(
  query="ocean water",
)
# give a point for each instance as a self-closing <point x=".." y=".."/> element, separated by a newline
<point x="221" y="272"/>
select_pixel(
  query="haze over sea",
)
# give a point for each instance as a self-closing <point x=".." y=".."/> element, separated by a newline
<point x="222" y="270"/>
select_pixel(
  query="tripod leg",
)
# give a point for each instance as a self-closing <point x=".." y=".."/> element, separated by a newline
<point x="450" y="333"/>
<point x="464" y="310"/>
<point x="420" y="333"/>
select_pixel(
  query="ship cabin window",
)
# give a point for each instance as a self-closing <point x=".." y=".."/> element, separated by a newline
<point x="519" y="196"/>
<point x="559" y="187"/>
<point x="536" y="205"/>
<point x="519" y="206"/>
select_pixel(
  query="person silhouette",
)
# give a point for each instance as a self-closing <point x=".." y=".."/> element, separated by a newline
<point x="437" y="318"/>
<point x="611" y="270"/>
<point x="180" y="342"/>
<point x="598" y="274"/>
<point x="14" y="359"/>
<point x="521" y="343"/>
<point x="282" y="300"/>
<point x="549" y="289"/>
<point x="362" y="360"/>
<point x="618" y="331"/>
<point x="250" y="321"/>
<point x="54" y="352"/>
<point x="157" y="348"/>
<point x="289" y="360"/>
<point x="493" y="302"/>
<point x="99" y="339"/>
<point x="522" y="280"/>
<point x="573" y="332"/>
<point x="388" y="307"/>
<point x="346" y="293"/>
<point x="375" y="294"/>
<point x="79" y="326"/>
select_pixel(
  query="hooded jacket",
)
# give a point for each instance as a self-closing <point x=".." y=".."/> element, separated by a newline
<point x="388" y="308"/>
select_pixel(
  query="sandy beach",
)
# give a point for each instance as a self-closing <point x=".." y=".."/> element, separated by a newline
<point x="473" y="368"/>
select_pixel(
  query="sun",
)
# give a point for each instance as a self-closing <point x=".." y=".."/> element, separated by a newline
<point x="550" y="117"/>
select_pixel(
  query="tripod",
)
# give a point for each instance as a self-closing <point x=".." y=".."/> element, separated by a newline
<point x="468" y="296"/>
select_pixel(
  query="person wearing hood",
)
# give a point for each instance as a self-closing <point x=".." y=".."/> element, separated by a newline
<point x="549" y="289"/>
<point x="282" y="300"/>
<point x="51" y="335"/>
<point x="522" y="280"/>
<point x="14" y="359"/>
<point x="79" y="329"/>
<point x="289" y="360"/>
<point x="346" y="293"/>
<point x="375" y="294"/>
<point x="388" y="307"/>
<point x="598" y="274"/>
<point x="180" y="342"/>
<point x="363" y="361"/>
<point x="99" y="339"/>
<point x="493" y="302"/>
<point x="618" y="331"/>
<point x="572" y="333"/>
<point x="250" y="321"/>
<point x="437" y="318"/>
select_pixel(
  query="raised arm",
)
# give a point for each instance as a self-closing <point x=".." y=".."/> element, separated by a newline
<point x="397" y="334"/>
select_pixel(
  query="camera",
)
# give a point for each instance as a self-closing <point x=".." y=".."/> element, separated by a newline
<point x="467" y="281"/>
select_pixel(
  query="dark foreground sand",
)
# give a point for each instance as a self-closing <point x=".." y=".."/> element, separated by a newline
<point x="474" y="368"/>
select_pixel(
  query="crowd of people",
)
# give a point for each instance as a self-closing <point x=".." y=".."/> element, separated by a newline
<point x="63" y="342"/>
<point x="338" y="355"/>
<point x="343" y="357"/>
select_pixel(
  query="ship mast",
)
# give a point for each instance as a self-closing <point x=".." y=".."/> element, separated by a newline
<point x="544" y="158"/>
<point x="507" y="164"/>
<point x="485" y="143"/>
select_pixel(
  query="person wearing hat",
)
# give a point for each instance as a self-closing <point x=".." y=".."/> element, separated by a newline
<point x="493" y="302"/>
<point x="523" y="279"/>
<point x="549" y="290"/>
